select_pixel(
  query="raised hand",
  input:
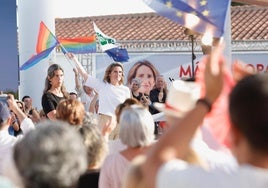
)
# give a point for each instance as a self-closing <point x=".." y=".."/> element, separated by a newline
<point x="214" y="74"/>
<point x="240" y="70"/>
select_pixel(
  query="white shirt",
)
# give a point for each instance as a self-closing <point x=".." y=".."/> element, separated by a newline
<point x="110" y="96"/>
<point x="177" y="173"/>
<point x="213" y="158"/>
<point x="6" y="144"/>
<point x="5" y="183"/>
<point x="83" y="97"/>
<point x="7" y="141"/>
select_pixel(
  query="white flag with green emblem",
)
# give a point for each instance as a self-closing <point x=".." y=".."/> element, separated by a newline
<point x="106" y="42"/>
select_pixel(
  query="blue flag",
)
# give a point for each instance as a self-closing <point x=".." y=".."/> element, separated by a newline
<point x="200" y="16"/>
<point x="118" y="54"/>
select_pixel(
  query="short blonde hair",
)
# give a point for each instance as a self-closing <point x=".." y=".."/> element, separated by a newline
<point x="71" y="111"/>
<point x="95" y="143"/>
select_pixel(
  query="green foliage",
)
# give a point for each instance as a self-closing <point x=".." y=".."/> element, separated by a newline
<point x="15" y="93"/>
<point x="236" y="4"/>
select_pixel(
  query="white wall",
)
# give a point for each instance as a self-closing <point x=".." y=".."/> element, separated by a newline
<point x="30" y="14"/>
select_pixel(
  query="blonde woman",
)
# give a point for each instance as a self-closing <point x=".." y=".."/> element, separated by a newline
<point x="111" y="89"/>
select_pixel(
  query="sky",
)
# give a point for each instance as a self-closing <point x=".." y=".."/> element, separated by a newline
<point x="9" y="74"/>
<point x="8" y="47"/>
<point x="99" y="7"/>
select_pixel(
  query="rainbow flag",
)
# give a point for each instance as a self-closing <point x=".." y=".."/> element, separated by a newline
<point x="45" y="39"/>
<point x="36" y="58"/>
<point x="79" y="45"/>
<point x="46" y="42"/>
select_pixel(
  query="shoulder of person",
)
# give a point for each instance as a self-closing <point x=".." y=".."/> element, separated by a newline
<point x="46" y="94"/>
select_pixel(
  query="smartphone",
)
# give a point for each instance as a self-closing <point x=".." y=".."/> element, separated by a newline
<point x="3" y="98"/>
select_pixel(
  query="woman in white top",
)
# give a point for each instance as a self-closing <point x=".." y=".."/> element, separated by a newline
<point x="111" y="90"/>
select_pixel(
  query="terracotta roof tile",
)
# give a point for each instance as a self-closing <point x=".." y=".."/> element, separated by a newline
<point x="247" y="23"/>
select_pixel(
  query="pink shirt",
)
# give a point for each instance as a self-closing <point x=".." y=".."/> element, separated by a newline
<point x="113" y="171"/>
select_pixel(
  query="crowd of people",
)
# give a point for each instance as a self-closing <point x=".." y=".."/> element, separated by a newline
<point x="106" y="134"/>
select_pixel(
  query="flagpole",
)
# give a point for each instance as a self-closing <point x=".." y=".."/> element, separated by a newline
<point x="228" y="38"/>
<point x="193" y="56"/>
<point x="68" y="59"/>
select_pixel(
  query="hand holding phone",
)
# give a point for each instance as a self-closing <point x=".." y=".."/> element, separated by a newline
<point x="3" y="98"/>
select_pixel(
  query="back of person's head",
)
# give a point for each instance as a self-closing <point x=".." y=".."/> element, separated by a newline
<point x="109" y="69"/>
<point x="71" y="111"/>
<point x="90" y="119"/>
<point x="248" y="109"/>
<point x="96" y="145"/>
<point x="136" y="126"/>
<point x="51" y="156"/>
<point x="128" y="102"/>
<point x="4" y="114"/>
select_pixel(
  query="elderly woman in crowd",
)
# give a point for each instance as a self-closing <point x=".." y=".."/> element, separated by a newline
<point x="97" y="150"/>
<point x="52" y="155"/>
<point x="137" y="133"/>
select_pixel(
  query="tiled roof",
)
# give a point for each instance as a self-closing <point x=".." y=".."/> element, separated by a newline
<point x="253" y="2"/>
<point x="247" y="23"/>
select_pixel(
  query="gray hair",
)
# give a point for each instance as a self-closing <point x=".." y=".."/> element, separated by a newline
<point x="52" y="155"/>
<point x="137" y="81"/>
<point x="90" y="119"/>
<point x="136" y="127"/>
<point x="95" y="143"/>
<point x="160" y="76"/>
